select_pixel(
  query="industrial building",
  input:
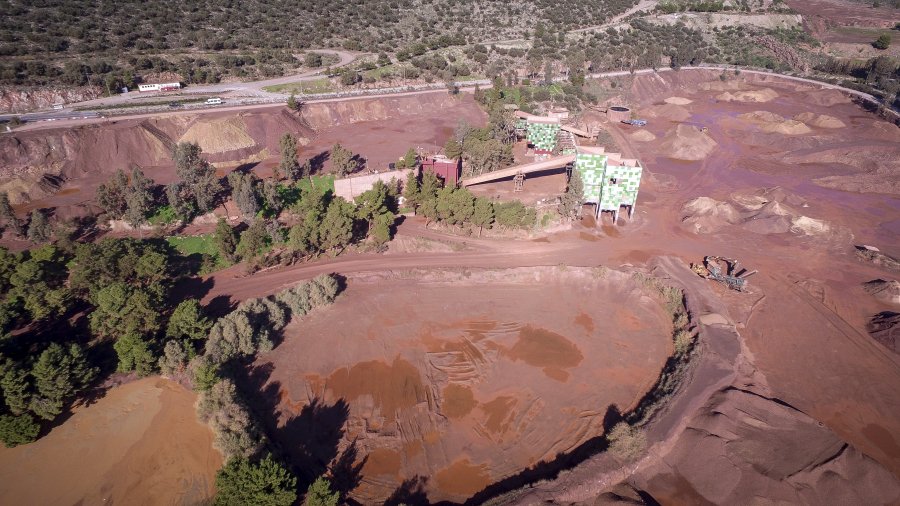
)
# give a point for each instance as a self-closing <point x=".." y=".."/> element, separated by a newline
<point x="445" y="168"/>
<point x="610" y="180"/>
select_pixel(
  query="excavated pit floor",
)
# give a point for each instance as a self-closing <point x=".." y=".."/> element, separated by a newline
<point x="468" y="378"/>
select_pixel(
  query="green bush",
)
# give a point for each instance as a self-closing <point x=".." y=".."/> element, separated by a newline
<point x="882" y="42"/>
<point x="320" y="494"/>
<point x="18" y="430"/>
<point x="163" y="215"/>
<point x="266" y="483"/>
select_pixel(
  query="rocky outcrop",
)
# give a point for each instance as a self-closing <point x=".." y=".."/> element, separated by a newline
<point x="27" y="99"/>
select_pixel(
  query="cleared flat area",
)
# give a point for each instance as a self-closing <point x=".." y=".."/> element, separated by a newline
<point x="141" y="444"/>
<point x="468" y="379"/>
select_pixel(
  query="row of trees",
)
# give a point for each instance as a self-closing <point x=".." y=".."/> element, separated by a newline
<point x="251" y="475"/>
<point x="459" y="207"/>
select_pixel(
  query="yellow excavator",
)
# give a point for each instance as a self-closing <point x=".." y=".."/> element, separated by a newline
<point x="724" y="270"/>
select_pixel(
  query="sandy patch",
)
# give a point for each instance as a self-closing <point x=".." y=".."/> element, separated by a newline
<point x="140" y="444"/>
<point x="219" y="135"/>
<point x="763" y="95"/>
<point x="686" y="142"/>
<point x="643" y="136"/>
<point x="820" y="120"/>
<point x="678" y="101"/>
<point x="773" y="123"/>
<point x="669" y="112"/>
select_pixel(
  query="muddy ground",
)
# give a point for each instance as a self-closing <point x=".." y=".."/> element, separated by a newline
<point x="467" y="378"/>
<point x="140" y="444"/>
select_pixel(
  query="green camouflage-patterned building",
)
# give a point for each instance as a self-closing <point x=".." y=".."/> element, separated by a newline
<point x="610" y="181"/>
<point x="542" y="134"/>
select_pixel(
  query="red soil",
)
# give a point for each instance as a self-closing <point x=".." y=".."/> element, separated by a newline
<point x="140" y="444"/>
<point x="470" y="379"/>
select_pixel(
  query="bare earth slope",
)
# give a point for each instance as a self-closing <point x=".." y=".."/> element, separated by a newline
<point x="141" y="444"/>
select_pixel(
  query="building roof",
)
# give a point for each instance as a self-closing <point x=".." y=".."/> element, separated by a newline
<point x="351" y="187"/>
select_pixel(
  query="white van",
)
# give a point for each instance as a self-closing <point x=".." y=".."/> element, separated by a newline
<point x="213" y="101"/>
<point x="57" y="107"/>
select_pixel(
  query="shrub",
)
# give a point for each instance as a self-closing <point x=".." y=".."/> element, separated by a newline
<point x="266" y="483"/>
<point x="882" y="42"/>
<point x="204" y="373"/>
<point x="18" y="430"/>
<point x="626" y="443"/>
<point x="320" y="494"/>
<point x="135" y="354"/>
<point x="174" y="358"/>
<point x="235" y="433"/>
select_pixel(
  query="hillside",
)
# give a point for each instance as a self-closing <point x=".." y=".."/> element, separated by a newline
<point x="258" y="37"/>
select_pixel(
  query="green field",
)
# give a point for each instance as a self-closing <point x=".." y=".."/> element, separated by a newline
<point x="324" y="182"/>
<point x="200" y="245"/>
<point x="322" y="85"/>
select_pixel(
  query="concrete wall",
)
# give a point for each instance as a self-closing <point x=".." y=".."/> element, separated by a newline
<point x="351" y="187"/>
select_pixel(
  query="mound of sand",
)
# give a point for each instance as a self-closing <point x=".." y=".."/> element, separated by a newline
<point x="669" y="112"/>
<point x="809" y="226"/>
<point x="820" y="120"/>
<point x="219" y="135"/>
<point x="885" y="328"/>
<point x="678" y="101"/>
<point x="773" y="123"/>
<point x="765" y="212"/>
<point x="826" y="97"/>
<point x="140" y="444"/>
<point x="872" y="254"/>
<point x="763" y="95"/>
<point x="885" y="291"/>
<point x="686" y="142"/>
<point x="643" y="136"/>
<point x="704" y="215"/>
<point x="718" y="85"/>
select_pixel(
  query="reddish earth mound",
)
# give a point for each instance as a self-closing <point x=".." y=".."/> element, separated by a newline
<point x="885" y="328"/>
<point x="744" y="445"/>
<point x="468" y="379"/>
<point x="140" y="444"/>
<point x="686" y="142"/>
<point x="885" y="291"/>
<point x="767" y="211"/>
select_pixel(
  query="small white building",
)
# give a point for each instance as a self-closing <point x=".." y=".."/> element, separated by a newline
<point x="159" y="87"/>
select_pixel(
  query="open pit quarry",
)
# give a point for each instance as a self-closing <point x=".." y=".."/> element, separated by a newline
<point x="468" y="379"/>
<point x="457" y="369"/>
